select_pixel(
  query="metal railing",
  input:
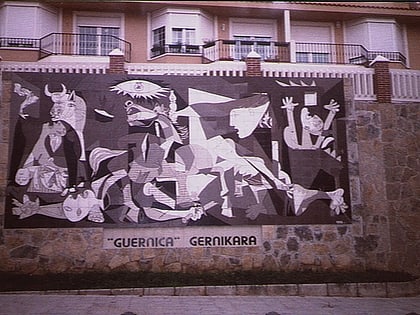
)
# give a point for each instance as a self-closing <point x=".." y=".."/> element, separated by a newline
<point x="82" y="44"/>
<point x="341" y="54"/>
<point x="176" y="49"/>
<point x="218" y="50"/>
<point x="221" y="50"/>
<point x="16" y="42"/>
<point x="391" y="55"/>
<point x="330" y="53"/>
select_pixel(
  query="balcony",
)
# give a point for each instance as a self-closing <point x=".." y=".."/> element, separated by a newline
<point x="15" y="42"/>
<point x="295" y="52"/>
<point x="220" y="50"/>
<point x="341" y="54"/>
<point x="82" y="44"/>
<point x="176" y="49"/>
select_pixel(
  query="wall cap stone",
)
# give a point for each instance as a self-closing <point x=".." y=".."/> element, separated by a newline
<point x="116" y="52"/>
<point x="253" y="54"/>
<point x="378" y="58"/>
<point x="376" y="289"/>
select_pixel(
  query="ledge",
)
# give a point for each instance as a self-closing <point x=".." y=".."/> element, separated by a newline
<point x="374" y="289"/>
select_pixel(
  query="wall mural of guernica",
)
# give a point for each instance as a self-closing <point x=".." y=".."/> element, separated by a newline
<point x="166" y="151"/>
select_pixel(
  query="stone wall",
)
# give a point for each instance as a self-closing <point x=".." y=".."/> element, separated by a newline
<point x="401" y="139"/>
<point x="388" y="143"/>
<point x="384" y="168"/>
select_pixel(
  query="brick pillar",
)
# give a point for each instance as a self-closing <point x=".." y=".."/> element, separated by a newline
<point x="382" y="79"/>
<point x="116" y="62"/>
<point x="253" y="65"/>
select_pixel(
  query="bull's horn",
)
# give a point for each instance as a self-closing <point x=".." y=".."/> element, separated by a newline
<point x="62" y="93"/>
<point x="46" y="90"/>
<point x="72" y="96"/>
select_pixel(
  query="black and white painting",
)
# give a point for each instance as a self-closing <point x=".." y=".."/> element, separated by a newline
<point x="161" y="151"/>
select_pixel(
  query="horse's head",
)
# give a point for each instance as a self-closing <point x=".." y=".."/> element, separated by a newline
<point x="138" y="115"/>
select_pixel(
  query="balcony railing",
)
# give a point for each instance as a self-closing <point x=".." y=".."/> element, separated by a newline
<point x="176" y="49"/>
<point x="238" y="50"/>
<point x="341" y="54"/>
<point x="82" y="44"/>
<point x="218" y="50"/>
<point x="16" y="42"/>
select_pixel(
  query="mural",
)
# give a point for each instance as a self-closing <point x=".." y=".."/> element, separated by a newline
<point x="143" y="151"/>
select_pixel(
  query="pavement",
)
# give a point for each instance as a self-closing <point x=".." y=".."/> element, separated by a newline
<point x="64" y="304"/>
<point x="382" y="298"/>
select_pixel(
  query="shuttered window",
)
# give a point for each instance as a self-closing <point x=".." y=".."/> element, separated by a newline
<point x="309" y="37"/>
<point x="99" y="35"/>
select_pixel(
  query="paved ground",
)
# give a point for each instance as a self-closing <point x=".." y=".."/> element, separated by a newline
<point x="33" y="304"/>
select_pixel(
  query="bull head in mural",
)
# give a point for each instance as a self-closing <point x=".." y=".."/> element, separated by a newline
<point x="70" y="108"/>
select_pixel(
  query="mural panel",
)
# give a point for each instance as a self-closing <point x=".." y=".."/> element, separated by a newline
<point x="173" y="151"/>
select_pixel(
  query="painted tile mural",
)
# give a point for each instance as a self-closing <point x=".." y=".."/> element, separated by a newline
<point x="166" y="151"/>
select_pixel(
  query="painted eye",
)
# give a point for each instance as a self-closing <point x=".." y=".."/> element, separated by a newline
<point x="128" y="104"/>
<point x="140" y="89"/>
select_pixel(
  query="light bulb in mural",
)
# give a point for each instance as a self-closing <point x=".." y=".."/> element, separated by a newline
<point x="140" y="89"/>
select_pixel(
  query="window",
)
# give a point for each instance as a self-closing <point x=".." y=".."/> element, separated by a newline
<point x="384" y="37"/>
<point x="183" y="41"/>
<point x="158" y="41"/>
<point x="109" y="39"/>
<point x="98" y="40"/>
<point x="177" y="36"/>
<point x="159" y="37"/>
<point x="88" y="43"/>
<point x="98" y="33"/>
<point x="31" y="20"/>
<point x="253" y="35"/>
<point x="179" y="31"/>
<point x="312" y="57"/>
<point x="245" y="44"/>
<point x="314" y="41"/>
<point x="189" y="35"/>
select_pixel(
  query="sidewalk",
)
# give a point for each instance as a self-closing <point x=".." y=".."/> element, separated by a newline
<point x="34" y="304"/>
<point x="385" y="298"/>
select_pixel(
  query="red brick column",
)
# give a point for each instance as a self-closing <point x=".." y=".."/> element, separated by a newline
<point x="382" y="80"/>
<point x="116" y="62"/>
<point x="253" y="65"/>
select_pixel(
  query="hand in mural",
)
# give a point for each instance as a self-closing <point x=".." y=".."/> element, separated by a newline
<point x="337" y="202"/>
<point x="26" y="208"/>
<point x="288" y="103"/>
<point x="333" y="106"/>
<point x="195" y="213"/>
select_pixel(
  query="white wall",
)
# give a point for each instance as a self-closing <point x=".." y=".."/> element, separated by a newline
<point x="184" y="18"/>
<point x="27" y="19"/>
<point x="253" y="27"/>
<point x="376" y="34"/>
<point x="312" y="32"/>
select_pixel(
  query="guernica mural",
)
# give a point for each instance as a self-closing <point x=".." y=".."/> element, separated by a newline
<point x="171" y="151"/>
